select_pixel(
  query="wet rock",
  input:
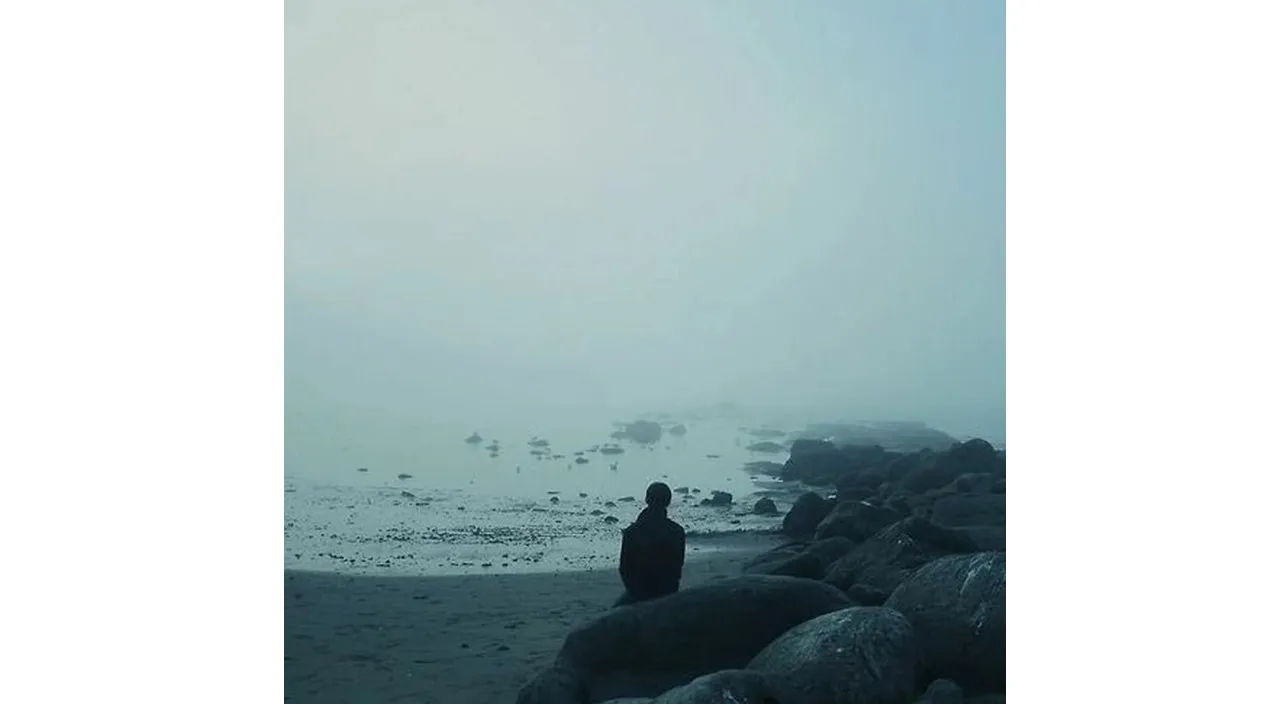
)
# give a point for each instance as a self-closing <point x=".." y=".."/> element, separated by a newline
<point x="597" y="512"/>
<point x="610" y="504"/>
<point x="363" y="469"/>
<point x="627" y="500"/>
<point x="646" y="649"/>
<point x="957" y="606"/>
<point x="713" y="457"/>
<point x="867" y="596"/>
<point x="806" y="513"/>
<point x="582" y="494"/>
<point x="856" y="520"/>
<point x="942" y="692"/>
<point x="883" y="561"/>
<point x="539" y="442"/>
<point x="402" y="475"/>
<point x="765" y="507"/>
<point x="937" y="470"/>
<point x="474" y="439"/>
<point x="555" y="499"/>
<point x="611" y="450"/>
<point x="610" y="519"/>
<point x="678" y="430"/>
<point x="809" y="561"/>
<point x="766" y="446"/>
<point x="857" y="654"/>
<point x="645" y="432"/>
<point x="407" y="495"/>
<point x="969" y="510"/>
<point x="733" y="686"/>
<point x="581" y="460"/>
<point x="682" y="490"/>
<point x="718" y="498"/>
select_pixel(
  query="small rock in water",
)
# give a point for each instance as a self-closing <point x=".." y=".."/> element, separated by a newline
<point x="713" y="457"/>
<point x="475" y="439"/>
<point x="610" y="519"/>
<point x="363" y="469"/>
<point x="402" y="475"/>
<point x="555" y="499"/>
<point x="597" y="512"/>
<point x="581" y="460"/>
<point x="697" y="491"/>
<point x="582" y="494"/>
<point x="407" y="495"/>
<point x="628" y="499"/>
<point x="765" y="507"/>
<point x="610" y="504"/>
<point x="718" y="498"/>
<point x="682" y="490"/>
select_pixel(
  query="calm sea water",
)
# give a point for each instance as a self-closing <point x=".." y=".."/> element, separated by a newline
<point x="463" y="510"/>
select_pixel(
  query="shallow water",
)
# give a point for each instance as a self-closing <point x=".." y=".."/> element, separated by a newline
<point x="462" y="511"/>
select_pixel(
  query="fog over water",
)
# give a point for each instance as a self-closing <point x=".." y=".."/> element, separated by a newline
<point x="539" y="218"/>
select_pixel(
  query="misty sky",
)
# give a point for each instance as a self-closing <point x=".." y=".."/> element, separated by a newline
<point x="527" y="204"/>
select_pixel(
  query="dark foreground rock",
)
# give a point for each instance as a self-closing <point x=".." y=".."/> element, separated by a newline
<point x="957" y="606"/>
<point x="645" y="649"/>
<point x="800" y="560"/>
<point x="969" y="510"/>
<point x="737" y="686"/>
<point x="942" y="692"/>
<point x="893" y="554"/>
<point x="858" y="654"/>
<point x="856" y="520"/>
<point x="805" y="515"/>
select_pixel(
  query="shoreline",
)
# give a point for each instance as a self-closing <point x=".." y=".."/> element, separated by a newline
<point x="453" y="638"/>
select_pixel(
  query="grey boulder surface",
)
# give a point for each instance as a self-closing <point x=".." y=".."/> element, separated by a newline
<point x="646" y="649"/>
<point x="895" y="552"/>
<point x="855" y="655"/>
<point x="957" y="606"/>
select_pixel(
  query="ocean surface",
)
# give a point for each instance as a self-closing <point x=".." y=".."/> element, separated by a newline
<point x="381" y="492"/>
<point x="372" y="495"/>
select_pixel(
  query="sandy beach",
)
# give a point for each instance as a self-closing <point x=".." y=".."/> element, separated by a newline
<point x="456" y="639"/>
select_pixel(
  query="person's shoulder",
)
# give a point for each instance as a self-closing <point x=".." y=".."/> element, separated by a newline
<point x="675" y="527"/>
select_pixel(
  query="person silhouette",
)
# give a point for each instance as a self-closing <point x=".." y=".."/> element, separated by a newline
<point x="652" y="559"/>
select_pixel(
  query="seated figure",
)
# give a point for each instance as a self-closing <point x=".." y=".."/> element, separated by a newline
<point x="652" y="558"/>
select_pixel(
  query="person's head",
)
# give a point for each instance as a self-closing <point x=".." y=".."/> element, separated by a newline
<point x="658" y="495"/>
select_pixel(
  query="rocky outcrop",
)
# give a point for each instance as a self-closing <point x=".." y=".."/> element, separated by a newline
<point x="858" y="654"/>
<point x="648" y="648"/>
<point x="957" y="606"/>
<point x="856" y="520"/>
<point x="893" y="554"/>
<point x="806" y="513"/>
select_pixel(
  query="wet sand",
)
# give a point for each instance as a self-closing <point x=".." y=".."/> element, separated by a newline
<point x="456" y="639"/>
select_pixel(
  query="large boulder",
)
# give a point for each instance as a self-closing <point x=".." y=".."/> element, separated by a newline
<point x="647" y="648"/>
<point x="858" y="654"/>
<point x="805" y="515"/>
<point x="894" y="553"/>
<point x="942" y="692"/>
<point x="810" y="563"/>
<point x="956" y="605"/>
<point x="938" y="470"/>
<point x="969" y="510"/>
<point x="737" y="686"/>
<point x="643" y="431"/>
<point x="856" y="520"/>
<point x="818" y="463"/>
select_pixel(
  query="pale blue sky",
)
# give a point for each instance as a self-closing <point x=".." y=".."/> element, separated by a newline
<point x="532" y="203"/>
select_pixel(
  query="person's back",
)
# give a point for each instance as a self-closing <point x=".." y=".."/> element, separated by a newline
<point x="652" y="559"/>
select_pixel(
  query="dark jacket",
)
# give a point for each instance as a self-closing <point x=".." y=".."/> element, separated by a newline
<point x="652" y="555"/>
